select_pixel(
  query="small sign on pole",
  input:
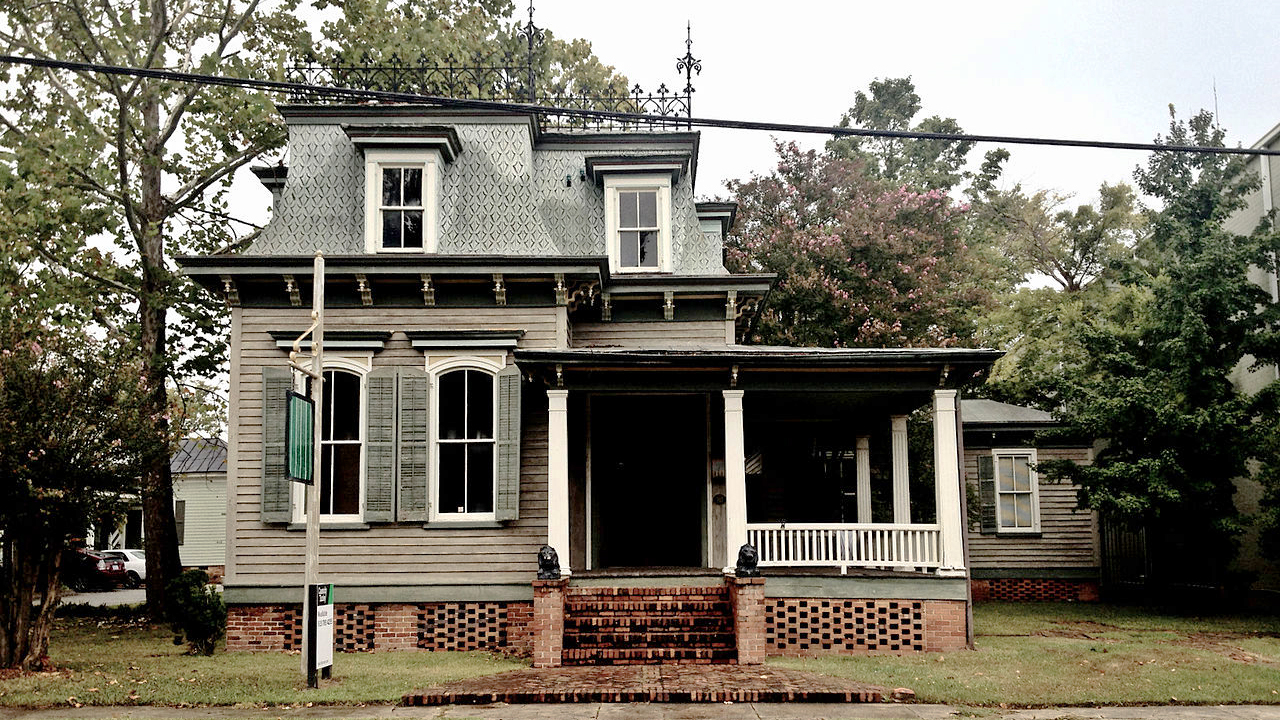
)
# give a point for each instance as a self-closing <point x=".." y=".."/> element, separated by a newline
<point x="319" y="646"/>
<point x="300" y="432"/>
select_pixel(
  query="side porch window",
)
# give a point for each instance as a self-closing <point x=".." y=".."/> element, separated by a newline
<point x="1010" y="491"/>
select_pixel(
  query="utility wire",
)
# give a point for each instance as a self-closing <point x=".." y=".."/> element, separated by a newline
<point x="302" y="89"/>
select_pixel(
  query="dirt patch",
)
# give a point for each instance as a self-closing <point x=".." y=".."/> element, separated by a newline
<point x="1222" y="644"/>
<point x="1077" y="630"/>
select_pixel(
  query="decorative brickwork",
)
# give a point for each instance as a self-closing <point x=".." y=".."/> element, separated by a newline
<point x="1034" y="590"/>
<point x="817" y="626"/>
<point x="749" y="621"/>
<point x="493" y="626"/>
<point x="648" y="626"/>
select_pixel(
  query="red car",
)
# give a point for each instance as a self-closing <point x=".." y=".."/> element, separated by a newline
<point x="84" y="569"/>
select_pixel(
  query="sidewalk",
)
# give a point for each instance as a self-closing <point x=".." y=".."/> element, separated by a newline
<point x="656" y="711"/>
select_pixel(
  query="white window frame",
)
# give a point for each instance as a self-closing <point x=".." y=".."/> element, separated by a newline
<point x="437" y="365"/>
<point x="1030" y="455"/>
<point x="378" y="159"/>
<point x="359" y="365"/>
<point x="614" y="184"/>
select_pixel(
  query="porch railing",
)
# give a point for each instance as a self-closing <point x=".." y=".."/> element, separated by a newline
<point x="846" y="545"/>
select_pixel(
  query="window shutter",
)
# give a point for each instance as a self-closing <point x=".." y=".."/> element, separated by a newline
<point x="380" y="445"/>
<point x="414" y="443"/>
<point x="276" y="491"/>
<point x="987" y="493"/>
<point x="506" y="504"/>
<point x="180" y="519"/>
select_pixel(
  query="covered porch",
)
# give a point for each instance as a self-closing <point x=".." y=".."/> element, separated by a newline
<point x="666" y="462"/>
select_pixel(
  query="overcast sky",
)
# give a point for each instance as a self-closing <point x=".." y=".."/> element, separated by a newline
<point x="1081" y="69"/>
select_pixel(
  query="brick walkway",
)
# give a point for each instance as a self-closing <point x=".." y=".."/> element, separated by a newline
<point x="649" y="683"/>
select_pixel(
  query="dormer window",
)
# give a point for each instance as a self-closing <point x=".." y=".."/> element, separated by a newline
<point x="400" y="212"/>
<point x="638" y="222"/>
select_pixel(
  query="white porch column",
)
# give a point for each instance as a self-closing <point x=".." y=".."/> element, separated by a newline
<point x="901" y="470"/>
<point x="946" y="467"/>
<point x="862" y="456"/>
<point x="735" y="477"/>
<point x="558" y="475"/>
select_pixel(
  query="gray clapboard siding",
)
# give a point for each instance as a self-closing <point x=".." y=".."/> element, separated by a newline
<point x="392" y="554"/>
<point x="204" y="533"/>
<point x="649" y="334"/>
<point x="1068" y="535"/>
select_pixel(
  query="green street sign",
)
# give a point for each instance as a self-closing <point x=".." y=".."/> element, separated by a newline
<point x="300" y="431"/>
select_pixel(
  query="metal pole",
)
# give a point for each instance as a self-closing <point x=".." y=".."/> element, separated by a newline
<point x="311" y="574"/>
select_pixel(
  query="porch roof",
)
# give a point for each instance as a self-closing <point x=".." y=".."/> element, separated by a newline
<point x="945" y="366"/>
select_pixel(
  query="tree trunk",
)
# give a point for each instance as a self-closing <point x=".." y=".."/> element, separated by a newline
<point x="30" y="575"/>
<point x="161" y="544"/>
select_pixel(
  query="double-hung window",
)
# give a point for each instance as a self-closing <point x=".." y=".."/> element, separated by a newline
<point x="401" y="210"/>
<point x="465" y="444"/>
<point x="1016" y="490"/>
<point x="341" y="445"/>
<point x="638" y="222"/>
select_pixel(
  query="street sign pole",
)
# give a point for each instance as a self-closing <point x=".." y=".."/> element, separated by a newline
<point x="311" y="575"/>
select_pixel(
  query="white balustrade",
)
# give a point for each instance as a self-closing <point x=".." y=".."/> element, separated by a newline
<point x="846" y="545"/>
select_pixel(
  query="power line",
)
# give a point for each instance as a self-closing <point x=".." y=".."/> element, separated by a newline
<point x="301" y="89"/>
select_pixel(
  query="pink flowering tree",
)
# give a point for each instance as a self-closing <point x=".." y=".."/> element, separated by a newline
<point x="73" y="437"/>
<point x="860" y="262"/>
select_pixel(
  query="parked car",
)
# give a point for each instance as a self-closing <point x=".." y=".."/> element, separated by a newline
<point x="135" y="565"/>
<point x="84" y="569"/>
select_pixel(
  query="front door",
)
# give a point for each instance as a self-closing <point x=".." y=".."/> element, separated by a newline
<point x="648" y="480"/>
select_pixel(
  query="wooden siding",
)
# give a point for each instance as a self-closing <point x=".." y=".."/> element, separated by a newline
<point x="204" y="540"/>
<point x="649" y="334"/>
<point x="1068" y="536"/>
<point x="393" y="554"/>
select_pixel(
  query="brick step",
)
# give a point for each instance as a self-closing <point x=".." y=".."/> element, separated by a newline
<point x="648" y="656"/>
<point x="629" y="623"/>
<point x="650" y="607"/>
<point x="628" y="640"/>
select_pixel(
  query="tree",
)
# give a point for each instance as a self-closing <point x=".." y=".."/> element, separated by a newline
<point x="72" y="438"/>
<point x="922" y="164"/>
<point x="138" y="168"/>
<point x="861" y="263"/>
<point x="1160" y="391"/>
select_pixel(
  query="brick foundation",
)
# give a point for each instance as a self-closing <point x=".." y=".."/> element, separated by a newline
<point x="819" y="626"/>
<point x="362" y="627"/>
<point x="1034" y="590"/>
<point x="547" y="627"/>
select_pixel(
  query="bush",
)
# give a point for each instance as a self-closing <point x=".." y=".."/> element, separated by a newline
<point x="198" y="613"/>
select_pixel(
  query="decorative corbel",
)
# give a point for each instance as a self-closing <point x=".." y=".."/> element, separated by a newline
<point x="942" y="378"/>
<point x="733" y="377"/>
<point x="366" y="293"/>
<point x="731" y="305"/>
<point x="606" y="307"/>
<point x="428" y="290"/>
<point x="582" y="292"/>
<point x="562" y="292"/>
<point x="291" y="287"/>
<point x="229" y="291"/>
<point x="668" y="305"/>
<point x="559" y="375"/>
<point x="499" y="289"/>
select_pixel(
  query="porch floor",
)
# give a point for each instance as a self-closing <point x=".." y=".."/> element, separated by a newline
<point x="649" y="683"/>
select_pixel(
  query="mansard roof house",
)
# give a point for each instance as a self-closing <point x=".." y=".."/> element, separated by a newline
<point x="531" y="339"/>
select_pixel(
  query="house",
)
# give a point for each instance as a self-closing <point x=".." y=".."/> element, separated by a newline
<point x="531" y="340"/>
<point x="1028" y="539"/>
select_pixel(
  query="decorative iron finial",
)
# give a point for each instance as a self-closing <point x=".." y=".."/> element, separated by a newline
<point x="532" y="35"/>
<point x="689" y="65"/>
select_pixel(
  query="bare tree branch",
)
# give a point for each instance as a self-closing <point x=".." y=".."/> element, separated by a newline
<point x="193" y="190"/>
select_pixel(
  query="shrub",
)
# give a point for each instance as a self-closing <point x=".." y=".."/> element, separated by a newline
<point x="198" y="613"/>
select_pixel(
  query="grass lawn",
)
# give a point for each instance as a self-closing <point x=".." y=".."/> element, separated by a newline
<point x="107" y="662"/>
<point x="1081" y="654"/>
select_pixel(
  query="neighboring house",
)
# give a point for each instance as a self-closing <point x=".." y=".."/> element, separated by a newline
<point x="1261" y="206"/>
<point x="1028" y="539"/>
<point x="531" y="340"/>
<point x="199" y="470"/>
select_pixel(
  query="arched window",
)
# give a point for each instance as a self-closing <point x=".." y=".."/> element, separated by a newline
<point x="341" y="444"/>
<point x="465" y="445"/>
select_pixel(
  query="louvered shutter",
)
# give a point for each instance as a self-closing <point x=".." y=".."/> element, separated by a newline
<point x="506" y="504"/>
<point x="380" y="446"/>
<point x="987" y="493"/>
<point x="414" y="444"/>
<point x="276" y="491"/>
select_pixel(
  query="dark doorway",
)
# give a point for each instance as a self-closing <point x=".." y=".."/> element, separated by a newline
<point x="648" y="480"/>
